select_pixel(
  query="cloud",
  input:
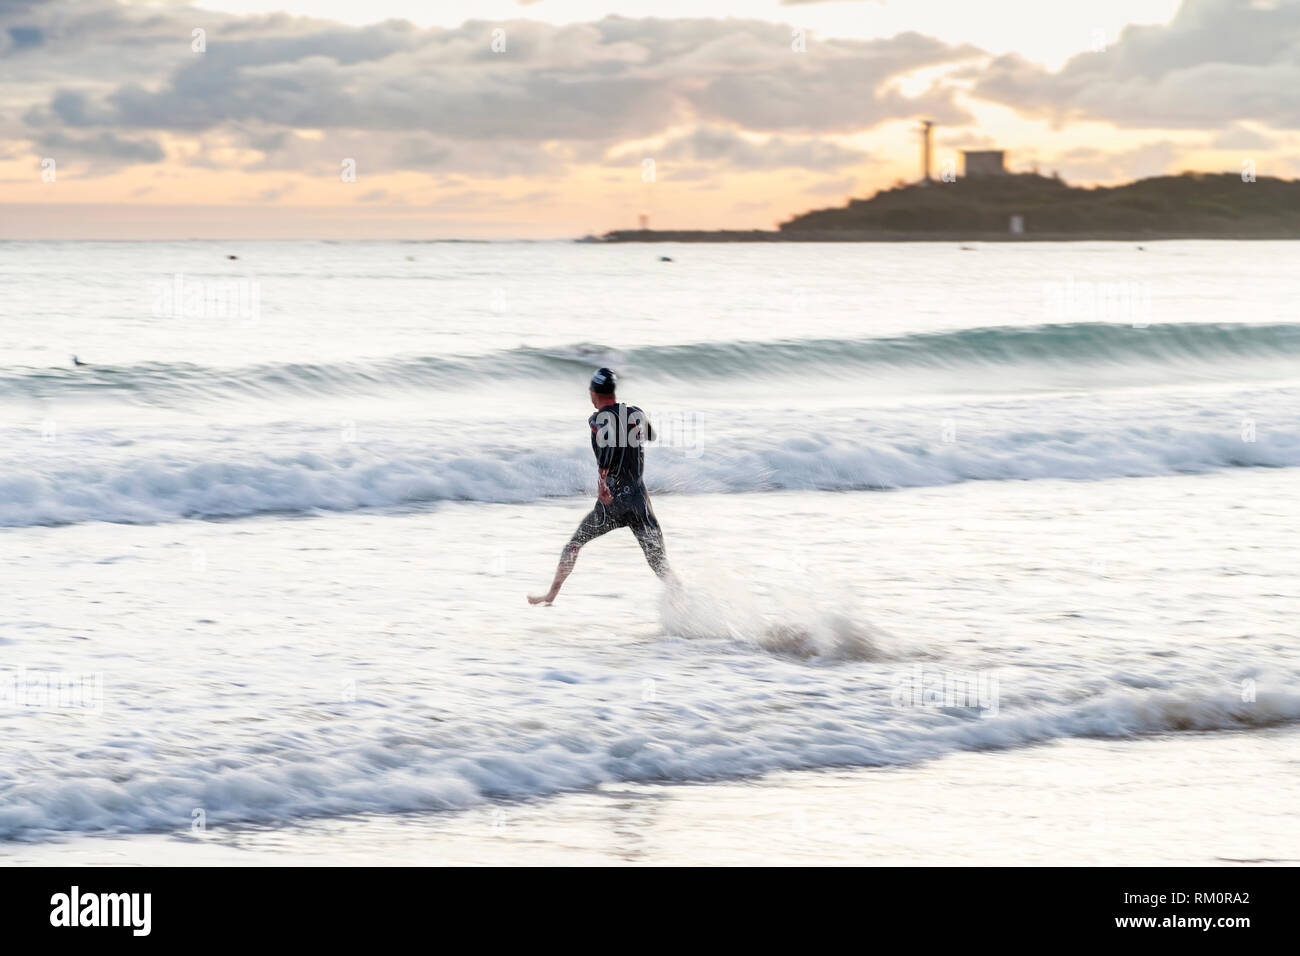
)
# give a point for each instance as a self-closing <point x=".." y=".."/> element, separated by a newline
<point x="729" y="148"/>
<point x="1238" y="136"/>
<point x="965" y="139"/>
<point x="833" y="187"/>
<point x="275" y="192"/>
<point x="580" y="81"/>
<point x="442" y="100"/>
<point x="1092" y="164"/>
<point x="1216" y="63"/>
<point x="105" y="148"/>
<point x="836" y="86"/>
<point x="22" y="38"/>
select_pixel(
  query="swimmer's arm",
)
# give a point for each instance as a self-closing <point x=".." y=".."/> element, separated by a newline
<point x="602" y="487"/>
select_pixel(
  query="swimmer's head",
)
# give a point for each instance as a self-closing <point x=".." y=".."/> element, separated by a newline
<point x="603" y="383"/>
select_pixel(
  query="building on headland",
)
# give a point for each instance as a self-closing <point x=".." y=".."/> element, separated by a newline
<point x="983" y="162"/>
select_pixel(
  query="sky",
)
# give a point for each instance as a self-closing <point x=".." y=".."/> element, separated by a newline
<point x="559" y="118"/>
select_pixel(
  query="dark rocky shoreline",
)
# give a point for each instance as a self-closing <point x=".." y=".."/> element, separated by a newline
<point x="1043" y="209"/>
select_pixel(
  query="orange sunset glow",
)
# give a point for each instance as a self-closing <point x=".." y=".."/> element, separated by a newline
<point x="170" y="120"/>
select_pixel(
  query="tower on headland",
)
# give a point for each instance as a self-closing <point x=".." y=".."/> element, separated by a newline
<point x="983" y="162"/>
<point x="927" y="134"/>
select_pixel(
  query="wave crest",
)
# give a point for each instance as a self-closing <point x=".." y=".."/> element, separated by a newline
<point x="158" y="383"/>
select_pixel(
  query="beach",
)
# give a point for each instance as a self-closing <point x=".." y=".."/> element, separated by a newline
<point x="1194" y="801"/>
<point x="996" y="570"/>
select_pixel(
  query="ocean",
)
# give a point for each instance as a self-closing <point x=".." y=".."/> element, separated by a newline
<point x="960" y="531"/>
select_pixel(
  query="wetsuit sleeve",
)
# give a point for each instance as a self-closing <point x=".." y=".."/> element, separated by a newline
<point x="649" y="433"/>
<point x="600" y="424"/>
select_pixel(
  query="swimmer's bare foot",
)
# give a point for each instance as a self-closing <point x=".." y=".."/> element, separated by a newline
<point x="541" y="598"/>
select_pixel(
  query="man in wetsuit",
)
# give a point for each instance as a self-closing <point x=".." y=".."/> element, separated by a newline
<point x="618" y="435"/>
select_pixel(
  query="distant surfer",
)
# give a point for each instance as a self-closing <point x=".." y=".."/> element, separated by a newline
<point x="78" y="362"/>
<point x="618" y="436"/>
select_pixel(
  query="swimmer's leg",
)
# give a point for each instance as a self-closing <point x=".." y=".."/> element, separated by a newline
<point x="650" y="536"/>
<point x="598" y="521"/>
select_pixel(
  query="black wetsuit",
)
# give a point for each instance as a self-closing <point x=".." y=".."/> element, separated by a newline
<point x="618" y="435"/>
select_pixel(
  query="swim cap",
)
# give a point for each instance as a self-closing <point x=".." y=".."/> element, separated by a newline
<point x="603" y="382"/>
